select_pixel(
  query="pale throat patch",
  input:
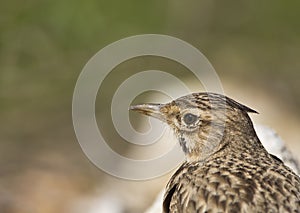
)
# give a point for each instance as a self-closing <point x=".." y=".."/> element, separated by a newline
<point x="186" y="143"/>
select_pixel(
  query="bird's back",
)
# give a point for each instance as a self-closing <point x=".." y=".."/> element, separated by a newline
<point x="233" y="183"/>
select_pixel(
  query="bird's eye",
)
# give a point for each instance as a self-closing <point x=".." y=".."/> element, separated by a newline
<point x="190" y="118"/>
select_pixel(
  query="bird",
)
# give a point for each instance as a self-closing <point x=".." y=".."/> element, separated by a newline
<point x="226" y="167"/>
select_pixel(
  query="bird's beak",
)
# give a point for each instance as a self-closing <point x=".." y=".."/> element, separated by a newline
<point x="153" y="110"/>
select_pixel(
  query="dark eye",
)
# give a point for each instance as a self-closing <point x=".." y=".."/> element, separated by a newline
<point x="190" y="118"/>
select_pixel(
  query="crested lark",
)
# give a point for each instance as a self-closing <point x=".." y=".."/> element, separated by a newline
<point x="227" y="169"/>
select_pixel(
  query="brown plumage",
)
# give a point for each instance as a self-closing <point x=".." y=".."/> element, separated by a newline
<point x="227" y="169"/>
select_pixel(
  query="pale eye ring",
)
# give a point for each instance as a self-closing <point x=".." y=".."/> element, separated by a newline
<point x="190" y="119"/>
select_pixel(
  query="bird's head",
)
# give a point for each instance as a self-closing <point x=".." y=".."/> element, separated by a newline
<point x="203" y="122"/>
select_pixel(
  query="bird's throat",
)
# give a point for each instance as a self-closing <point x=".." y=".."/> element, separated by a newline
<point x="195" y="151"/>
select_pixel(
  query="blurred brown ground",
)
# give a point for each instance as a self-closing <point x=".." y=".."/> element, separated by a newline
<point x="254" y="46"/>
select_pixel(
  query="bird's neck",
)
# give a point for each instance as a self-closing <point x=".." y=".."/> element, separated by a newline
<point x="224" y="140"/>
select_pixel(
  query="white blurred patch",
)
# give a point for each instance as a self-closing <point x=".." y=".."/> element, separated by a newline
<point x="107" y="203"/>
<point x="276" y="146"/>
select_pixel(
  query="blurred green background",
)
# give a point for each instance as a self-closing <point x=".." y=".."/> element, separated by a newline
<point x="45" y="44"/>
